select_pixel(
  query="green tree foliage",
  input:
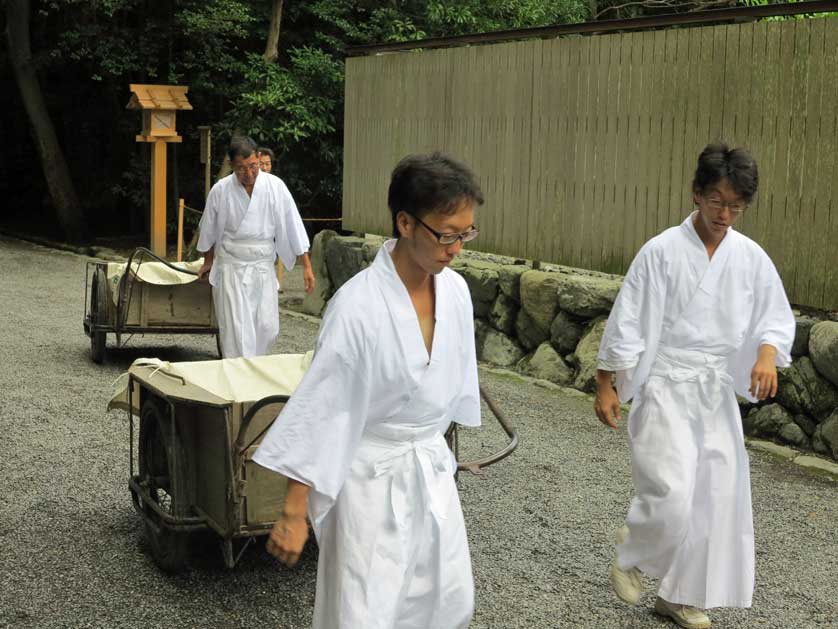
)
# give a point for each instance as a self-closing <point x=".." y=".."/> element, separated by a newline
<point x="88" y="51"/>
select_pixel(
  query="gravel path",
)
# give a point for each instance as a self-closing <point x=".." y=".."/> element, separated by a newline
<point x="540" y="524"/>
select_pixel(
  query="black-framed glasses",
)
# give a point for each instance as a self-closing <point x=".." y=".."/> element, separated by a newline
<point x="450" y="239"/>
<point x="736" y="207"/>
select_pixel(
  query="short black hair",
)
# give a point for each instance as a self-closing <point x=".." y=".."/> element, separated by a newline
<point x="421" y="184"/>
<point x="717" y="161"/>
<point x="241" y="146"/>
<point x="263" y="150"/>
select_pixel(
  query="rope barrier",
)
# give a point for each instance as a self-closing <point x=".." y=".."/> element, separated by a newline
<point x="309" y="220"/>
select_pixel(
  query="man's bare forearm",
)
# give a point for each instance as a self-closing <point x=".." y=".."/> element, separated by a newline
<point x="604" y="378"/>
<point x="296" y="499"/>
<point x="305" y="260"/>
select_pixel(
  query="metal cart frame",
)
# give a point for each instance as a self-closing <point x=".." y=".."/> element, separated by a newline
<point x="135" y="298"/>
<point x="183" y="479"/>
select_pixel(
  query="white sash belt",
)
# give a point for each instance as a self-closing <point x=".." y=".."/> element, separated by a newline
<point x="426" y="446"/>
<point x="708" y="371"/>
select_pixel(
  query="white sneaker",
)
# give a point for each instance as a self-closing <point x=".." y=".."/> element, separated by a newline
<point x="683" y="615"/>
<point x="627" y="584"/>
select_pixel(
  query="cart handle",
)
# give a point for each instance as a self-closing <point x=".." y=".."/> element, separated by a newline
<point x="123" y="284"/>
<point x="250" y="414"/>
<point x="148" y="253"/>
<point x="471" y="466"/>
<point x="475" y="466"/>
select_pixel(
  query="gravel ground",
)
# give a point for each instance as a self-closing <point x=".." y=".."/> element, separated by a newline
<point x="540" y="523"/>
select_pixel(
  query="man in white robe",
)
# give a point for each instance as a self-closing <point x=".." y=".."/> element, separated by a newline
<point x="361" y="440"/>
<point x="249" y="221"/>
<point x="701" y="315"/>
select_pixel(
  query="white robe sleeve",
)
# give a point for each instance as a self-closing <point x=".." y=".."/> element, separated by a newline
<point x="633" y="330"/>
<point x="316" y="435"/>
<point x="772" y="323"/>
<point x="291" y="237"/>
<point x="210" y="221"/>
<point x="466" y="407"/>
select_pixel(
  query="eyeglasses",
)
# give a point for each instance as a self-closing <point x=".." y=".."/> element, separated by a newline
<point x="449" y="239"/>
<point x="240" y="170"/>
<point x="736" y="207"/>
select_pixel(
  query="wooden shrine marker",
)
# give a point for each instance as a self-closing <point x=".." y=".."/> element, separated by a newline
<point x="159" y="104"/>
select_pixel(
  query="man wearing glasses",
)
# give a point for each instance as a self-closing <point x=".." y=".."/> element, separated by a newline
<point x="361" y="440"/>
<point x="701" y="316"/>
<point x="249" y="221"/>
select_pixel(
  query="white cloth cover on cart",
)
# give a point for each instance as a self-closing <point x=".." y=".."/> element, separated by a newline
<point x="151" y="272"/>
<point x="230" y="379"/>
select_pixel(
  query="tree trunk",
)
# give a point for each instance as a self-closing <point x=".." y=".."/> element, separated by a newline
<point x="56" y="173"/>
<point x="272" y="44"/>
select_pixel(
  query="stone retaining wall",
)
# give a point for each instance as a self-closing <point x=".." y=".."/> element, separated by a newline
<point x="547" y="323"/>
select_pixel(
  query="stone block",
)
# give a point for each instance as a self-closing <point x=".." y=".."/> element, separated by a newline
<point x="587" y="296"/>
<point x="344" y="258"/>
<point x="497" y="348"/>
<point x="314" y="303"/>
<point x="528" y="333"/>
<point x="801" y="389"/>
<point x="586" y="356"/>
<point x="503" y="313"/>
<point x="546" y="364"/>
<point x="766" y="421"/>
<point x="565" y="333"/>
<point x="509" y="280"/>
<point x="539" y="298"/>
<point x="823" y="349"/>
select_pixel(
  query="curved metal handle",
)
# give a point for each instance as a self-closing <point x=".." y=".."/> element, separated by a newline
<point x="475" y="466"/>
<point x="150" y="254"/>
<point x="124" y="283"/>
<point x="471" y="466"/>
<point x="250" y="414"/>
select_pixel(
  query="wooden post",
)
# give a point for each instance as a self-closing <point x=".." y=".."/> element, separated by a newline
<point x="159" y="105"/>
<point x="158" y="198"/>
<point x="180" y="230"/>
<point x="206" y="156"/>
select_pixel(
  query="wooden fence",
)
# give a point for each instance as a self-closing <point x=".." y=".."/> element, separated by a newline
<point x="585" y="146"/>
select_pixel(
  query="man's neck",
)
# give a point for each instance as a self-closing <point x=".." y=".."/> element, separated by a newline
<point x="710" y="240"/>
<point x="415" y="279"/>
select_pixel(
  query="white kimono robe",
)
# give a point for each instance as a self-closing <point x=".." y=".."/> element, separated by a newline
<point x="249" y="233"/>
<point x="364" y="430"/>
<point x="683" y="338"/>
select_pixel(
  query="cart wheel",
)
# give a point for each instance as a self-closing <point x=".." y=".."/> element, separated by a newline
<point x="98" y="295"/>
<point x="165" y="483"/>
<point x="218" y="345"/>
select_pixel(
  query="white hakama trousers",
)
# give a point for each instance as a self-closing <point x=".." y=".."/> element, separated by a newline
<point x="245" y="297"/>
<point x="690" y="522"/>
<point x="393" y="548"/>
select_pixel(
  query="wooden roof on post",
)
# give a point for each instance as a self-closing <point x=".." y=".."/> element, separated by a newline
<point x="168" y="97"/>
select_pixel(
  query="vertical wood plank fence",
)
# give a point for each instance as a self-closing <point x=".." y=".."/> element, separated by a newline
<point x="585" y="146"/>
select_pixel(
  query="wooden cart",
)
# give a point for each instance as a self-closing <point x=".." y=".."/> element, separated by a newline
<point x="193" y="470"/>
<point x="121" y="303"/>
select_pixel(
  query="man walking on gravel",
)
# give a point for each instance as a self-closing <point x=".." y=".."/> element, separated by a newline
<point x="249" y="221"/>
<point x="701" y="316"/>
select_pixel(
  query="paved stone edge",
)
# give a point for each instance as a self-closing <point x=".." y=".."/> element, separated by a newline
<point x="809" y="462"/>
<point x="812" y="464"/>
<point x="90" y="251"/>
